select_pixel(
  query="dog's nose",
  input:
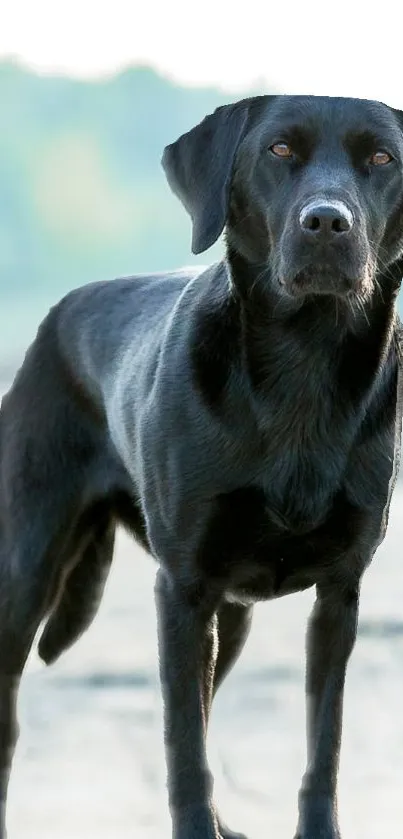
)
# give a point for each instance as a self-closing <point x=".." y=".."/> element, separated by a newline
<point x="326" y="218"/>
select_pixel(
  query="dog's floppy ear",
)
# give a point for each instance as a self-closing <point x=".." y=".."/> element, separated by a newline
<point x="199" y="167"/>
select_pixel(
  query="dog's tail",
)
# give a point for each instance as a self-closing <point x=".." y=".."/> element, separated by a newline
<point x="79" y="597"/>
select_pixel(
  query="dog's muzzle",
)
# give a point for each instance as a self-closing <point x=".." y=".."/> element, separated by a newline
<point x="324" y="250"/>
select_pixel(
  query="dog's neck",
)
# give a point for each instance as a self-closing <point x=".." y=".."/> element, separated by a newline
<point x="304" y="343"/>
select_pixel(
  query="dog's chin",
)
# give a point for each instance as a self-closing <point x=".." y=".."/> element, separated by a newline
<point x="324" y="280"/>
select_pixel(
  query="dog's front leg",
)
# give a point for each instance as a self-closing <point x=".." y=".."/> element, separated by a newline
<point x="330" y="640"/>
<point x="184" y="623"/>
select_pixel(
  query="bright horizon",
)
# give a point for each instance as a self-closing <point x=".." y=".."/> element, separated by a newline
<point x="322" y="49"/>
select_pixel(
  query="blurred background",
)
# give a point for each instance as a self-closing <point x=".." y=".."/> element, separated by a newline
<point x="89" y="96"/>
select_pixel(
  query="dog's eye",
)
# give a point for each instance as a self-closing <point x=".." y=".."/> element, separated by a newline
<point x="380" y="158"/>
<point x="281" y="149"/>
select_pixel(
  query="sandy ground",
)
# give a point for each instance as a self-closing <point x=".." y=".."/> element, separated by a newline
<point x="90" y="759"/>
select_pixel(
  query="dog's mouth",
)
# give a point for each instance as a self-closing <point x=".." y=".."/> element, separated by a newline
<point x="324" y="279"/>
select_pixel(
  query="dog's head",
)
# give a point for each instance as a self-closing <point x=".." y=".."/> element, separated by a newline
<point x="311" y="187"/>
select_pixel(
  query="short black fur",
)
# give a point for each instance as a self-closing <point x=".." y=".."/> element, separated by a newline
<point x="242" y="422"/>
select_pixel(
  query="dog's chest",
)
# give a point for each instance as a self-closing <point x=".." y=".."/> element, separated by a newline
<point x="251" y="551"/>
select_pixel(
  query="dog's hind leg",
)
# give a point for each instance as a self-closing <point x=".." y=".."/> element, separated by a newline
<point x="81" y="591"/>
<point x="231" y="632"/>
<point x="24" y="592"/>
<point x="80" y="596"/>
<point x="48" y="447"/>
<point x="234" y="625"/>
<point x="32" y="563"/>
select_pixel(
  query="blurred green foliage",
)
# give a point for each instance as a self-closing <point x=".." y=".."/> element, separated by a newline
<point x="82" y="192"/>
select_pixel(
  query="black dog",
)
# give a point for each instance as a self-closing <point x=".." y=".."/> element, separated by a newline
<point x="243" y="422"/>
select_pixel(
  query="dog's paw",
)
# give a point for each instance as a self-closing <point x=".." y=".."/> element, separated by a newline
<point x="226" y="833"/>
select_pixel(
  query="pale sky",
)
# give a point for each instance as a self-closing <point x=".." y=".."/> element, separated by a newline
<point x="330" y="47"/>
